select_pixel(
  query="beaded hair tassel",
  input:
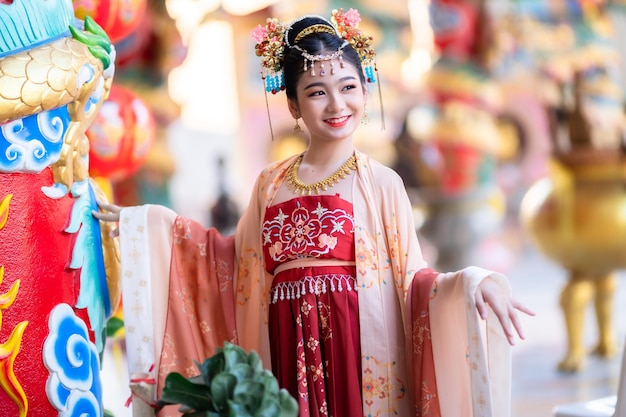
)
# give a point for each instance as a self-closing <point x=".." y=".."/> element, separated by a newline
<point x="270" y="46"/>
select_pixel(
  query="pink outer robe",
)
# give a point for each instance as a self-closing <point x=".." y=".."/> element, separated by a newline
<point x="181" y="281"/>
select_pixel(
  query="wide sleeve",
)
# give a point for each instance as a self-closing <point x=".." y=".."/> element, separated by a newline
<point x="177" y="285"/>
<point x="425" y="392"/>
<point x="145" y="252"/>
<point x="471" y="357"/>
<point x="200" y="312"/>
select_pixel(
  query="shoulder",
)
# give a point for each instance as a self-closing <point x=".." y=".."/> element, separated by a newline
<point x="269" y="180"/>
<point x="382" y="175"/>
<point x="275" y="167"/>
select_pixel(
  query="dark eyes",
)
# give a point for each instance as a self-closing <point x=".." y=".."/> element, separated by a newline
<point x="344" y="88"/>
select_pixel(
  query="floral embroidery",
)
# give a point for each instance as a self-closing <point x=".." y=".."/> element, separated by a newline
<point x="420" y="332"/>
<point x="306" y="308"/>
<point x="222" y="270"/>
<point x="311" y="227"/>
<point x="313" y="344"/>
<point x="310" y="232"/>
<point x="248" y="261"/>
<point x="276" y="249"/>
<point x="429" y="395"/>
<point x="366" y="260"/>
<point x="186" y="301"/>
<point x="204" y="327"/>
<point x="303" y="390"/>
<point x="317" y="372"/>
<point x="169" y="360"/>
<point x="370" y="387"/>
<point x="324" y="317"/>
<point x="327" y="241"/>
<point x="381" y="380"/>
<point x="324" y="409"/>
<point x="181" y="230"/>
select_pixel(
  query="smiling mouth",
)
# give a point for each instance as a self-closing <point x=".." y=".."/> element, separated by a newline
<point x="338" y="120"/>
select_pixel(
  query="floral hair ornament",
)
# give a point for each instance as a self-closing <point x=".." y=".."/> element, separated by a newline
<point x="270" y="46"/>
<point x="347" y="24"/>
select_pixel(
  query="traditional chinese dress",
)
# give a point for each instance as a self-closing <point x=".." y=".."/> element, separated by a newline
<point x="411" y="343"/>
<point x="314" y="314"/>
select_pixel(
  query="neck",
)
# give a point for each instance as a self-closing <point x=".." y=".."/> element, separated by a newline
<point x="328" y="153"/>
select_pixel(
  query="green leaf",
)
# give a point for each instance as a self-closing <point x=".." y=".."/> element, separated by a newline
<point x="233" y="355"/>
<point x="270" y="382"/>
<point x="254" y="360"/>
<point x="238" y="410"/>
<point x="250" y="387"/>
<point x="242" y="371"/>
<point x="114" y="325"/>
<point x="222" y="389"/>
<point x="108" y="413"/>
<point x="288" y="404"/>
<point x="179" y="390"/>
<point x="251" y="402"/>
<point x="270" y="407"/>
<point x="212" y="366"/>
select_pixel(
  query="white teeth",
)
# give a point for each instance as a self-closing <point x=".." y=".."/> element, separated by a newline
<point x="339" y="120"/>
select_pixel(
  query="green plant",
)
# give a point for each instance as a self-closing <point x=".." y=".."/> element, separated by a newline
<point x="231" y="383"/>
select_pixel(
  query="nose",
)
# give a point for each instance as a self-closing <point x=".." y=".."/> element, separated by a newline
<point x="336" y="102"/>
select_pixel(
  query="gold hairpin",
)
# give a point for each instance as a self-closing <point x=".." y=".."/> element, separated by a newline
<point x="320" y="28"/>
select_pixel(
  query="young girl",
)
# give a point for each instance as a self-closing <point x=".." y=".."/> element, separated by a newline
<point x="324" y="276"/>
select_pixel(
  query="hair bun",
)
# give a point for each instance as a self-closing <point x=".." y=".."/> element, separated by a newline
<point x="307" y="25"/>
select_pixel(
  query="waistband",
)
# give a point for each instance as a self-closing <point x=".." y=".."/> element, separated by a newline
<point x="305" y="262"/>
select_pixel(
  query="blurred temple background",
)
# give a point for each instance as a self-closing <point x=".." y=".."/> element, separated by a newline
<point x="505" y="118"/>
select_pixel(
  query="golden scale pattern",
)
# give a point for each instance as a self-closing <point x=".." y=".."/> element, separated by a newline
<point x="44" y="78"/>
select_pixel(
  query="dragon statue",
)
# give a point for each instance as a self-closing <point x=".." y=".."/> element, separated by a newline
<point x="59" y="273"/>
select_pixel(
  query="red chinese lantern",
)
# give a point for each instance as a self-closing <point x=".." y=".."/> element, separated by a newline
<point x="454" y="27"/>
<point x="120" y="136"/>
<point x="118" y="18"/>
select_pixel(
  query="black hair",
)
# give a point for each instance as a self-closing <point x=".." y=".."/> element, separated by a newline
<point x="317" y="43"/>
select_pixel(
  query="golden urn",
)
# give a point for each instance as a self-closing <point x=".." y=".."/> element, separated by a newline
<point x="577" y="217"/>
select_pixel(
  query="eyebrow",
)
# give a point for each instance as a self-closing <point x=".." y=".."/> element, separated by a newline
<point x="322" y="84"/>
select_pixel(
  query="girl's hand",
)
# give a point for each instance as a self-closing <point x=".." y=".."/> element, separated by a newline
<point x="110" y="213"/>
<point x="504" y="307"/>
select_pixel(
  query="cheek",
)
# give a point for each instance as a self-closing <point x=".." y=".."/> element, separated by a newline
<point x="359" y="104"/>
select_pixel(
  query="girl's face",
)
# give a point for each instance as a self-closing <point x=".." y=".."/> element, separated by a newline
<point x="330" y="105"/>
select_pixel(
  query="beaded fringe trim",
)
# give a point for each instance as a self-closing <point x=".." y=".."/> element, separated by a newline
<point x="319" y="284"/>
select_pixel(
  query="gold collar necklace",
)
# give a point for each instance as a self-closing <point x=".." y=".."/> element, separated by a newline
<point x="298" y="187"/>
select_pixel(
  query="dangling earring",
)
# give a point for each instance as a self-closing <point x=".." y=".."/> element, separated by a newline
<point x="297" y="130"/>
<point x="365" y="118"/>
